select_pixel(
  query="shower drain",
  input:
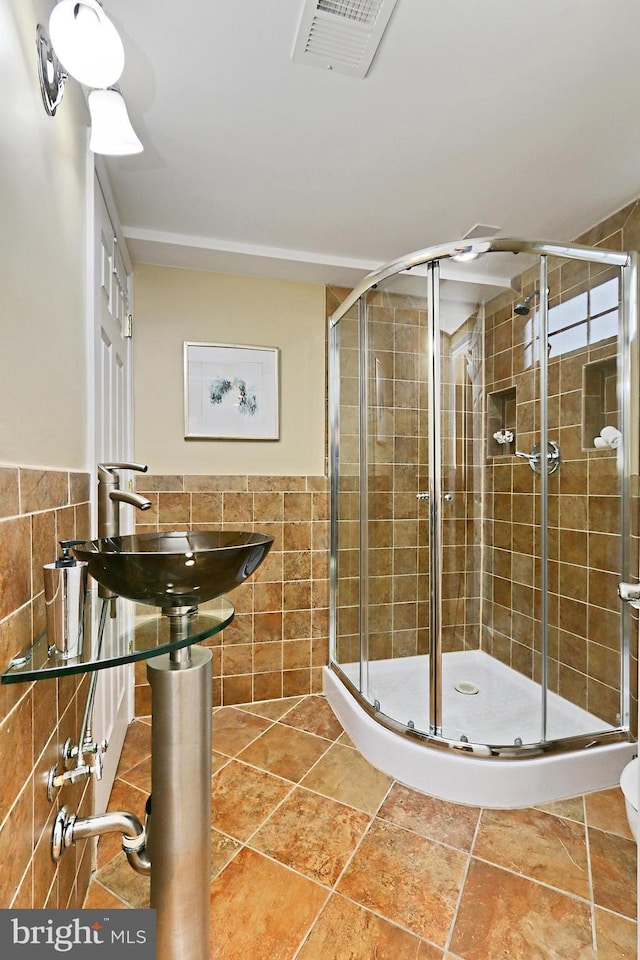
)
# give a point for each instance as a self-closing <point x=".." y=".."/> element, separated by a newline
<point x="465" y="686"/>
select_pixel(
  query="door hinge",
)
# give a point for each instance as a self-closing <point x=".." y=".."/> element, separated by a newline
<point x="128" y="326"/>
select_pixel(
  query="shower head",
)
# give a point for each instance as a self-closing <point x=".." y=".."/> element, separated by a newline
<point x="523" y="307"/>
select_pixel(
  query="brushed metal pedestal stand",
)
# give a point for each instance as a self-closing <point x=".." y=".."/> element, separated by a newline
<point x="180" y="823"/>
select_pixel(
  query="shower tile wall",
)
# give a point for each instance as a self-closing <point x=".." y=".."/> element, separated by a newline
<point x="37" y="508"/>
<point x="397" y="466"/>
<point x="462" y="468"/>
<point x="398" y="568"/>
<point x="584" y="518"/>
<point x="278" y="641"/>
<point x="398" y="528"/>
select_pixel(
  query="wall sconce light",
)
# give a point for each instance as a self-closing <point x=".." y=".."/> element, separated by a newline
<point x="86" y="42"/>
<point x="83" y="43"/>
<point x="111" y="130"/>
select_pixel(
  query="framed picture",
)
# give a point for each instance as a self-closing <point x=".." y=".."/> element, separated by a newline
<point x="230" y="392"/>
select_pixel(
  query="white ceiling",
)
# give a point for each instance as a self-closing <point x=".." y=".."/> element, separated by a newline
<point x="519" y="113"/>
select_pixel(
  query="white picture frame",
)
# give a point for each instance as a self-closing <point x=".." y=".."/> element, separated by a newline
<point x="231" y="392"/>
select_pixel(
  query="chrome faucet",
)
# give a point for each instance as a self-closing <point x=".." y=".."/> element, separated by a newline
<point x="110" y="496"/>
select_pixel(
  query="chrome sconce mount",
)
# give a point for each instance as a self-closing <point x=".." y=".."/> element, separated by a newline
<point x="534" y="457"/>
<point x="50" y="71"/>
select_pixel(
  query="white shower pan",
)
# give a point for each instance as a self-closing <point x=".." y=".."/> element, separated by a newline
<point x="505" y="709"/>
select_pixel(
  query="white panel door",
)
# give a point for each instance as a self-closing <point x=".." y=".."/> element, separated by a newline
<point x="113" y="432"/>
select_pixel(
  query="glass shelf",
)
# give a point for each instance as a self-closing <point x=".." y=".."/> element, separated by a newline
<point x="147" y="634"/>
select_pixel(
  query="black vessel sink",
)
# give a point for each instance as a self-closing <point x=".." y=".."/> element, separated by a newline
<point x="174" y="569"/>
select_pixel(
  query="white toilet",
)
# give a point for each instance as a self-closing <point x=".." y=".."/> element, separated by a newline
<point x="629" y="787"/>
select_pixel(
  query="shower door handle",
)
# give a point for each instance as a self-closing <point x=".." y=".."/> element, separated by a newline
<point x="630" y="593"/>
<point x="425" y="496"/>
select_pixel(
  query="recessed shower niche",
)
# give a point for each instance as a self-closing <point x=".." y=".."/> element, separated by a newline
<point x="501" y="423"/>
<point x="600" y="400"/>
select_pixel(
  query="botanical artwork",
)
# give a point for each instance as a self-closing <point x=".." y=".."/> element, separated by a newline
<point x="231" y="391"/>
<point x="247" y="399"/>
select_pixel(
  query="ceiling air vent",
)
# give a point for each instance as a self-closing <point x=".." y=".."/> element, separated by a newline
<point x="341" y="35"/>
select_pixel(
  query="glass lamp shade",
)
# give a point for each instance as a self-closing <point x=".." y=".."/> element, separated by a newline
<point x="86" y="42"/>
<point x="111" y="130"/>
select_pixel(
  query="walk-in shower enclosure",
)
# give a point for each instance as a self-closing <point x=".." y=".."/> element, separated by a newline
<point x="484" y="461"/>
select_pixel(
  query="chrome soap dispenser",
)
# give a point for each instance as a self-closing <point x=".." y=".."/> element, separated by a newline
<point x="65" y="588"/>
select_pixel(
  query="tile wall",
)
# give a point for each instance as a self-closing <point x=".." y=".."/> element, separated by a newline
<point x="278" y="641"/>
<point x="584" y="506"/>
<point x="37" y="508"/>
<point x="398" y="528"/>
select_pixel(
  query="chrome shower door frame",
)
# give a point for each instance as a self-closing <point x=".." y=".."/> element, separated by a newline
<point x="431" y="258"/>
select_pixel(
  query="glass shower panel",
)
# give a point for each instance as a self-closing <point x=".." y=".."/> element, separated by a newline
<point x="491" y="574"/>
<point x="587" y="499"/>
<point x="397" y="530"/>
<point x="345" y="493"/>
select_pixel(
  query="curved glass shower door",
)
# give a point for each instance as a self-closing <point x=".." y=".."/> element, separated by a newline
<point x="482" y="436"/>
<point x="396" y="526"/>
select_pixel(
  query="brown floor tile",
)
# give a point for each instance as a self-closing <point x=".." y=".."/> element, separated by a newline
<point x="260" y="909"/>
<point x="99" y="898"/>
<point x="346" y="740"/>
<point x="411" y="880"/>
<point x="218" y="761"/>
<point x="119" y="877"/>
<point x="223" y="849"/>
<point x="139" y="776"/>
<point x="606" y="811"/>
<point x="346" y="931"/>
<point x="312" y="834"/>
<point x="450" y="823"/>
<point x="405" y="881"/>
<point x="233" y="729"/>
<point x="571" y="809"/>
<point x="613" y="867"/>
<point x="536" y="844"/>
<point x="285" y="751"/>
<point x="617" y="937"/>
<point x="314" y="715"/>
<point x="137" y="746"/>
<point x="345" y="775"/>
<point x="509" y="917"/>
<point x="242" y="798"/>
<point x="272" y="709"/>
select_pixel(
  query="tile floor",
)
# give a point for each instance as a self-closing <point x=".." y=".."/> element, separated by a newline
<point x="329" y="859"/>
